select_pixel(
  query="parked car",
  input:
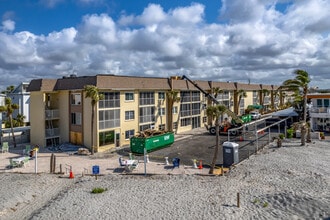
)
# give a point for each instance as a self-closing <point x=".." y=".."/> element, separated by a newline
<point x="255" y="115"/>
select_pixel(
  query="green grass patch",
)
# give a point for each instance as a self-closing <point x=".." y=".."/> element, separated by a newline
<point x="98" y="190"/>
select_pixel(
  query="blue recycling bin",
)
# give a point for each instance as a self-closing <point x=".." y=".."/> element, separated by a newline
<point x="176" y="162"/>
<point x="96" y="170"/>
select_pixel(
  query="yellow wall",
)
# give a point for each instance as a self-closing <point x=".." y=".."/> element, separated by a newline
<point x="86" y="118"/>
<point x="37" y="119"/>
<point x="62" y="101"/>
<point x="129" y="124"/>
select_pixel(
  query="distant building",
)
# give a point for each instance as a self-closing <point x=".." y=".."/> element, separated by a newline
<point x="21" y="97"/>
<point x="320" y="111"/>
<point x="59" y="111"/>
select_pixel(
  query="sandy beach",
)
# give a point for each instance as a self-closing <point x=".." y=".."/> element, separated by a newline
<point x="291" y="182"/>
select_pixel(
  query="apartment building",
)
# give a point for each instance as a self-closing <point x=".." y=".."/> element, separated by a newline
<point x="320" y="111"/>
<point x="60" y="112"/>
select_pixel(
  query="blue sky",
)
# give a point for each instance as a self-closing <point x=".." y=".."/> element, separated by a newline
<point x="261" y="41"/>
<point x="43" y="17"/>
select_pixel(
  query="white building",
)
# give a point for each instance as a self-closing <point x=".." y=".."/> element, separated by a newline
<point x="22" y="98"/>
<point x="320" y="111"/>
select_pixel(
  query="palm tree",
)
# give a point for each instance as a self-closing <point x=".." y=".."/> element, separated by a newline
<point x="215" y="112"/>
<point x="239" y="94"/>
<point x="20" y="119"/>
<point x="93" y="93"/>
<point x="9" y="89"/>
<point x="216" y="91"/>
<point x="9" y="109"/>
<point x="172" y="97"/>
<point x="264" y="93"/>
<point x="299" y="85"/>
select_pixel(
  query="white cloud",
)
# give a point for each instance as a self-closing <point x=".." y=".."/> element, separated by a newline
<point x="8" y="25"/>
<point x="258" y="44"/>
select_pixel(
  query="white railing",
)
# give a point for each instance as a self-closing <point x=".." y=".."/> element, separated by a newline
<point x="320" y="110"/>
<point x="52" y="132"/>
<point x="50" y="114"/>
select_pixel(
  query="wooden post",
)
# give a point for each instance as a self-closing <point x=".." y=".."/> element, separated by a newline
<point x="54" y="164"/>
<point x="51" y="163"/>
<point x="238" y="203"/>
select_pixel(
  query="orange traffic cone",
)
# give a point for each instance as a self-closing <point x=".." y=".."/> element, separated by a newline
<point x="71" y="175"/>
<point x="200" y="166"/>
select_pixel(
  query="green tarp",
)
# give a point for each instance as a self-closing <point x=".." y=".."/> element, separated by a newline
<point x="255" y="106"/>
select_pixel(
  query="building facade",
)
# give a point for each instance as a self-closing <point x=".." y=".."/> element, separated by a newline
<point x="21" y="97"/>
<point x="320" y="111"/>
<point x="60" y="112"/>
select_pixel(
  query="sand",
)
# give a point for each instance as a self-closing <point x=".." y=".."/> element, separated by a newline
<point x="291" y="182"/>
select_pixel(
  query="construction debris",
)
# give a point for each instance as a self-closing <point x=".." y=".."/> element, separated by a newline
<point x="150" y="133"/>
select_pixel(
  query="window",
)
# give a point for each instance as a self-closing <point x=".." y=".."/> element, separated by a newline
<point x="111" y="100"/>
<point x="185" y="96"/>
<point x="129" y="96"/>
<point x="129" y="134"/>
<point x="319" y="103"/>
<point x="107" y="137"/>
<point x="75" y="98"/>
<point x="147" y="98"/>
<point x="195" y="96"/>
<point x="185" y="110"/>
<point x="185" y="122"/>
<point x="161" y="95"/>
<point x="175" y="125"/>
<point x="76" y="118"/>
<point x="175" y="110"/>
<point x="147" y="126"/>
<point x="161" y="127"/>
<point x="129" y="115"/>
<point x="147" y="114"/>
<point x="326" y="102"/>
<point x="196" y="108"/>
<point x="161" y="111"/>
<point x="109" y="118"/>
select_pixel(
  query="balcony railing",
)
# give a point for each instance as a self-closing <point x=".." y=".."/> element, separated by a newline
<point x="52" y="132"/>
<point x="321" y="112"/>
<point x="51" y="114"/>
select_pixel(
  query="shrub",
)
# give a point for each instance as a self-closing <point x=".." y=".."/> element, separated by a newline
<point x="289" y="133"/>
<point x="98" y="190"/>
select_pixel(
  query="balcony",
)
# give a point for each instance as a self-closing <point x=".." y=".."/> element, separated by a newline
<point x="54" y="132"/>
<point x="320" y="112"/>
<point x="52" y="114"/>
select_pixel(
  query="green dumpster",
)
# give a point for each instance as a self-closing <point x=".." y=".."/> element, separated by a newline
<point x="138" y="144"/>
<point x="246" y="118"/>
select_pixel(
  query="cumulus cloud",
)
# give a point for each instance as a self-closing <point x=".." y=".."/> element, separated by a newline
<point x="8" y="25"/>
<point x="253" y="41"/>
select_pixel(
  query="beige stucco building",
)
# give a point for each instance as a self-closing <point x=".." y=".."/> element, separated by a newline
<point x="59" y="111"/>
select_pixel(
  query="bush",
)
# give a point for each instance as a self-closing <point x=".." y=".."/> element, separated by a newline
<point x="289" y="133"/>
<point x="98" y="190"/>
<point x="281" y="136"/>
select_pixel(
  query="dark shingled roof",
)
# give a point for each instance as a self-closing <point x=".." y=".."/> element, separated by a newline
<point x="46" y="85"/>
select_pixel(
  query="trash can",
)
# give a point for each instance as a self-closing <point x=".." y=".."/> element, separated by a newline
<point x="230" y="153"/>
<point x="176" y="162"/>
